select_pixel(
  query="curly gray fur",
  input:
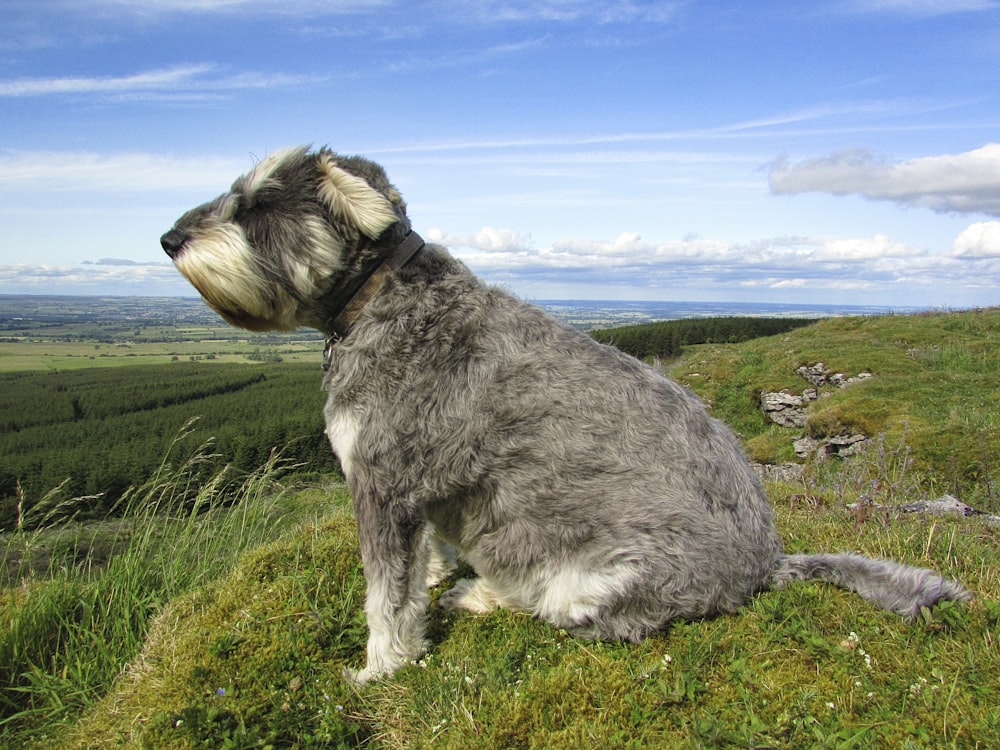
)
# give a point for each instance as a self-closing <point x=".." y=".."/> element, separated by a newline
<point x="582" y="485"/>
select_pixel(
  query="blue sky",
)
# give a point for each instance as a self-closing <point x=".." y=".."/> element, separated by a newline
<point x="840" y="152"/>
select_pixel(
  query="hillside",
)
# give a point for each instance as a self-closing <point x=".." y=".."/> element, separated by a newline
<point x="238" y="619"/>
<point x="933" y="389"/>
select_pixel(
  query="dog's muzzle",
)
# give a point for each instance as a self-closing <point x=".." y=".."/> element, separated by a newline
<point x="173" y="242"/>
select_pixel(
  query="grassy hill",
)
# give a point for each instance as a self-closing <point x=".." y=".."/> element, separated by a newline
<point x="225" y="623"/>
<point x="934" y="390"/>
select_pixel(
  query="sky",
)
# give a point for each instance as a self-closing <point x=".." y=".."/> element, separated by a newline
<point x="830" y="152"/>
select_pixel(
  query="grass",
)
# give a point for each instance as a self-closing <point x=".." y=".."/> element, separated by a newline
<point x="253" y="659"/>
<point x="220" y="614"/>
<point x="78" y="599"/>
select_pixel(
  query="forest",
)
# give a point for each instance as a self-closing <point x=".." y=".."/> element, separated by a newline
<point x="667" y="339"/>
<point x="100" y="429"/>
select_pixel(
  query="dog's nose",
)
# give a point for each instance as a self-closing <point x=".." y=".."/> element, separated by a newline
<point x="172" y="242"/>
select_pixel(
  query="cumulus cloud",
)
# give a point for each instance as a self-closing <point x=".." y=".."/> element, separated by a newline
<point x="876" y="264"/>
<point x="980" y="240"/>
<point x="487" y="239"/>
<point x="967" y="182"/>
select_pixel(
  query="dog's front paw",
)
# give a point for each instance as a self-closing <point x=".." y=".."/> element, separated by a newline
<point x="360" y="677"/>
<point x="472" y="595"/>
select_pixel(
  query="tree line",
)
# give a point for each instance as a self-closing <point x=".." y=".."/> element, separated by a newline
<point x="668" y="338"/>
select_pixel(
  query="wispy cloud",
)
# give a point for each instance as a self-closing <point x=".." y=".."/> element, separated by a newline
<point x="968" y="182"/>
<point x="189" y="78"/>
<point x="67" y="170"/>
<point x="455" y="59"/>
<point x="922" y="8"/>
<point x="203" y="7"/>
<point x="827" y="119"/>
<point x="603" y="11"/>
<point x="89" y="278"/>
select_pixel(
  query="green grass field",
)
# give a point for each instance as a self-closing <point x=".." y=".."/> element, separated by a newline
<point x="59" y="356"/>
<point x="218" y="611"/>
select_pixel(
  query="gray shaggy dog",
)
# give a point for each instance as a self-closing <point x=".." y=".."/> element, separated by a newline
<point x="580" y="484"/>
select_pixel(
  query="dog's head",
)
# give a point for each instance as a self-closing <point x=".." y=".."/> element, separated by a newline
<point x="264" y="254"/>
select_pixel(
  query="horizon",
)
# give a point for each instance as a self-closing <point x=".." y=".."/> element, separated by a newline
<point x="625" y="150"/>
<point x="620" y="304"/>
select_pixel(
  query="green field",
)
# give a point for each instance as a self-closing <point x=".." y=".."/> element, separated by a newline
<point x="54" y="334"/>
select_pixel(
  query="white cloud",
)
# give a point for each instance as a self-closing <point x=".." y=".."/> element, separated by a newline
<point x="968" y="182"/>
<point x="772" y="268"/>
<point x="860" y="249"/>
<point x="980" y="240"/>
<point x="839" y="264"/>
<point x="487" y="240"/>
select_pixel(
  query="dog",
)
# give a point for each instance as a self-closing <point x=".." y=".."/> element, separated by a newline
<point x="580" y="484"/>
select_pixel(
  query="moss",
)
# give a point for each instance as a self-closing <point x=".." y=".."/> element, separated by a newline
<point x="771" y="447"/>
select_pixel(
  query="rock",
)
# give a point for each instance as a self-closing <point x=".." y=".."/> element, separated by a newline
<point x="805" y="446"/>
<point x="944" y="504"/>
<point x="844" y="445"/>
<point x="783" y="408"/>
<point x="779" y="472"/>
<point x="815" y="374"/>
<point x="818" y="375"/>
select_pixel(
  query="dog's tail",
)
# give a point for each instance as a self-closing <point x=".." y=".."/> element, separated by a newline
<point x="891" y="585"/>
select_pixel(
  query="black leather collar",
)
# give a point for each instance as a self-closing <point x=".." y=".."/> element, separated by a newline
<point x="347" y="304"/>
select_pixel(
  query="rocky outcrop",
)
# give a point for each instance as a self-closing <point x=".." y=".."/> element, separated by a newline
<point x="789" y="410"/>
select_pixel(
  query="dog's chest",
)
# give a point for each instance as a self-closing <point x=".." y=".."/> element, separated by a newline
<point x="342" y="432"/>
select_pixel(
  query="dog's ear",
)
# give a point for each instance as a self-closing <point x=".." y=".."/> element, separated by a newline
<point x="352" y="201"/>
